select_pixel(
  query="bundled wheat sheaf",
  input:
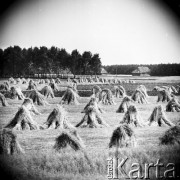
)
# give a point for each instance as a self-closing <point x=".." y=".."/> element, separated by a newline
<point x="15" y="92"/>
<point x="52" y="80"/>
<point x="76" y="81"/>
<point x="74" y="87"/>
<point x="47" y="92"/>
<point x="69" y="80"/>
<point x="163" y="94"/>
<point x="123" y="136"/>
<point x="53" y="85"/>
<point x="18" y="81"/>
<point x="119" y="91"/>
<point x="3" y="100"/>
<point x="101" y="80"/>
<point x="140" y="95"/>
<point x="69" y="139"/>
<point x="11" y="80"/>
<point x="47" y="81"/>
<point x="106" y="97"/>
<point x="23" y="119"/>
<point x="57" y="119"/>
<point x="23" y="81"/>
<point x="132" y="117"/>
<point x="96" y="79"/>
<point x="5" y="86"/>
<point x="96" y="91"/>
<point x="171" y="136"/>
<point x="84" y="80"/>
<point x="174" y="90"/>
<point x="80" y="80"/>
<point x="91" y="80"/>
<point x="69" y="97"/>
<point x="28" y="103"/>
<point x="158" y="117"/>
<point x="93" y="101"/>
<point x="170" y="89"/>
<point x="32" y="85"/>
<point x="105" y="81"/>
<point x="126" y="102"/>
<point x="37" y="98"/>
<point x="173" y="105"/>
<point x="9" y="143"/>
<point x="92" y="117"/>
<point x="110" y="81"/>
<point x="58" y="81"/>
<point x="178" y="88"/>
<point x="143" y="89"/>
<point x="41" y="81"/>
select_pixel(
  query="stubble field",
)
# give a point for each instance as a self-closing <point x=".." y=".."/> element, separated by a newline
<point x="41" y="161"/>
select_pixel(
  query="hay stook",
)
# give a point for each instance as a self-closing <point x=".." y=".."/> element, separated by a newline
<point x="8" y="143"/>
<point x="37" y="98"/>
<point x="70" y="97"/>
<point x="58" y="81"/>
<point x="92" y="117"/>
<point x="126" y="102"/>
<point x="66" y="139"/>
<point x="139" y="96"/>
<point x="106" y="97"/>
<point x="5" y="86"/>
<point x="32" y="85"/>
<point x="16" y="93"/>
<point x="28" y="103"/>
<point x="93" y="101"/>
<point x="173" y="105"/>
<point x="171" y="136"/>
<point x="24" y="81"/>
<point x="122" y="136"/>
<point x="12" y="80"/>
<point x="41" y="81"/>
<point x="143" y="90"/>
<point x="47" y="91"/>
<point x="119" y="91"/>
<point x="132" y="117"/>
<point x="23" y="119"/>
<point x="69" y="80"/>
<point x="158" y="117"/>
<point x="57" y="119"/>
<point x="18" y="81"/>
<point x="96" y="91"/>
<point x="47" y="81"/>
<point x="164" y="95"/>
<point x="3" y="100"/>
<point x="53" y="85"/>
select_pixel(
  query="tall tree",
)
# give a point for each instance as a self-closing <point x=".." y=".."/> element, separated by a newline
<point x="63" y="57"/>
<point x="74" y="62"/>
<point x="9" y="61"/>
<point x="95" y="64"/>
<point x="86" y="58"/>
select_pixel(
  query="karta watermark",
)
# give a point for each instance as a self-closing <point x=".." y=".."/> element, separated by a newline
<point x="121" y="169"/>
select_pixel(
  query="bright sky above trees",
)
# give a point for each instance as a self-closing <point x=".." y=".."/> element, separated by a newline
<point x="120" y="31"/>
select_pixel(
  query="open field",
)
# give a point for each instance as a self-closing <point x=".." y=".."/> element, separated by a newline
<point x="40" y="161"/>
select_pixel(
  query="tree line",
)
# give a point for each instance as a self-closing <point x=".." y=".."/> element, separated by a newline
<point x="156" y="69"/>
<point x="15" y="61"/>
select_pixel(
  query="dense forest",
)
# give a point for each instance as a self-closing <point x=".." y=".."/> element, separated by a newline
<point x="15" y="61"/>
<point x="155" y="69"/>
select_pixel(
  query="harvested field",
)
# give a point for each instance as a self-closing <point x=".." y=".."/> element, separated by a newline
<point x="41" y="161"/>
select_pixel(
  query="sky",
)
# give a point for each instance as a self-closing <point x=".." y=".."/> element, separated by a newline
<point x="120" y="31"/>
